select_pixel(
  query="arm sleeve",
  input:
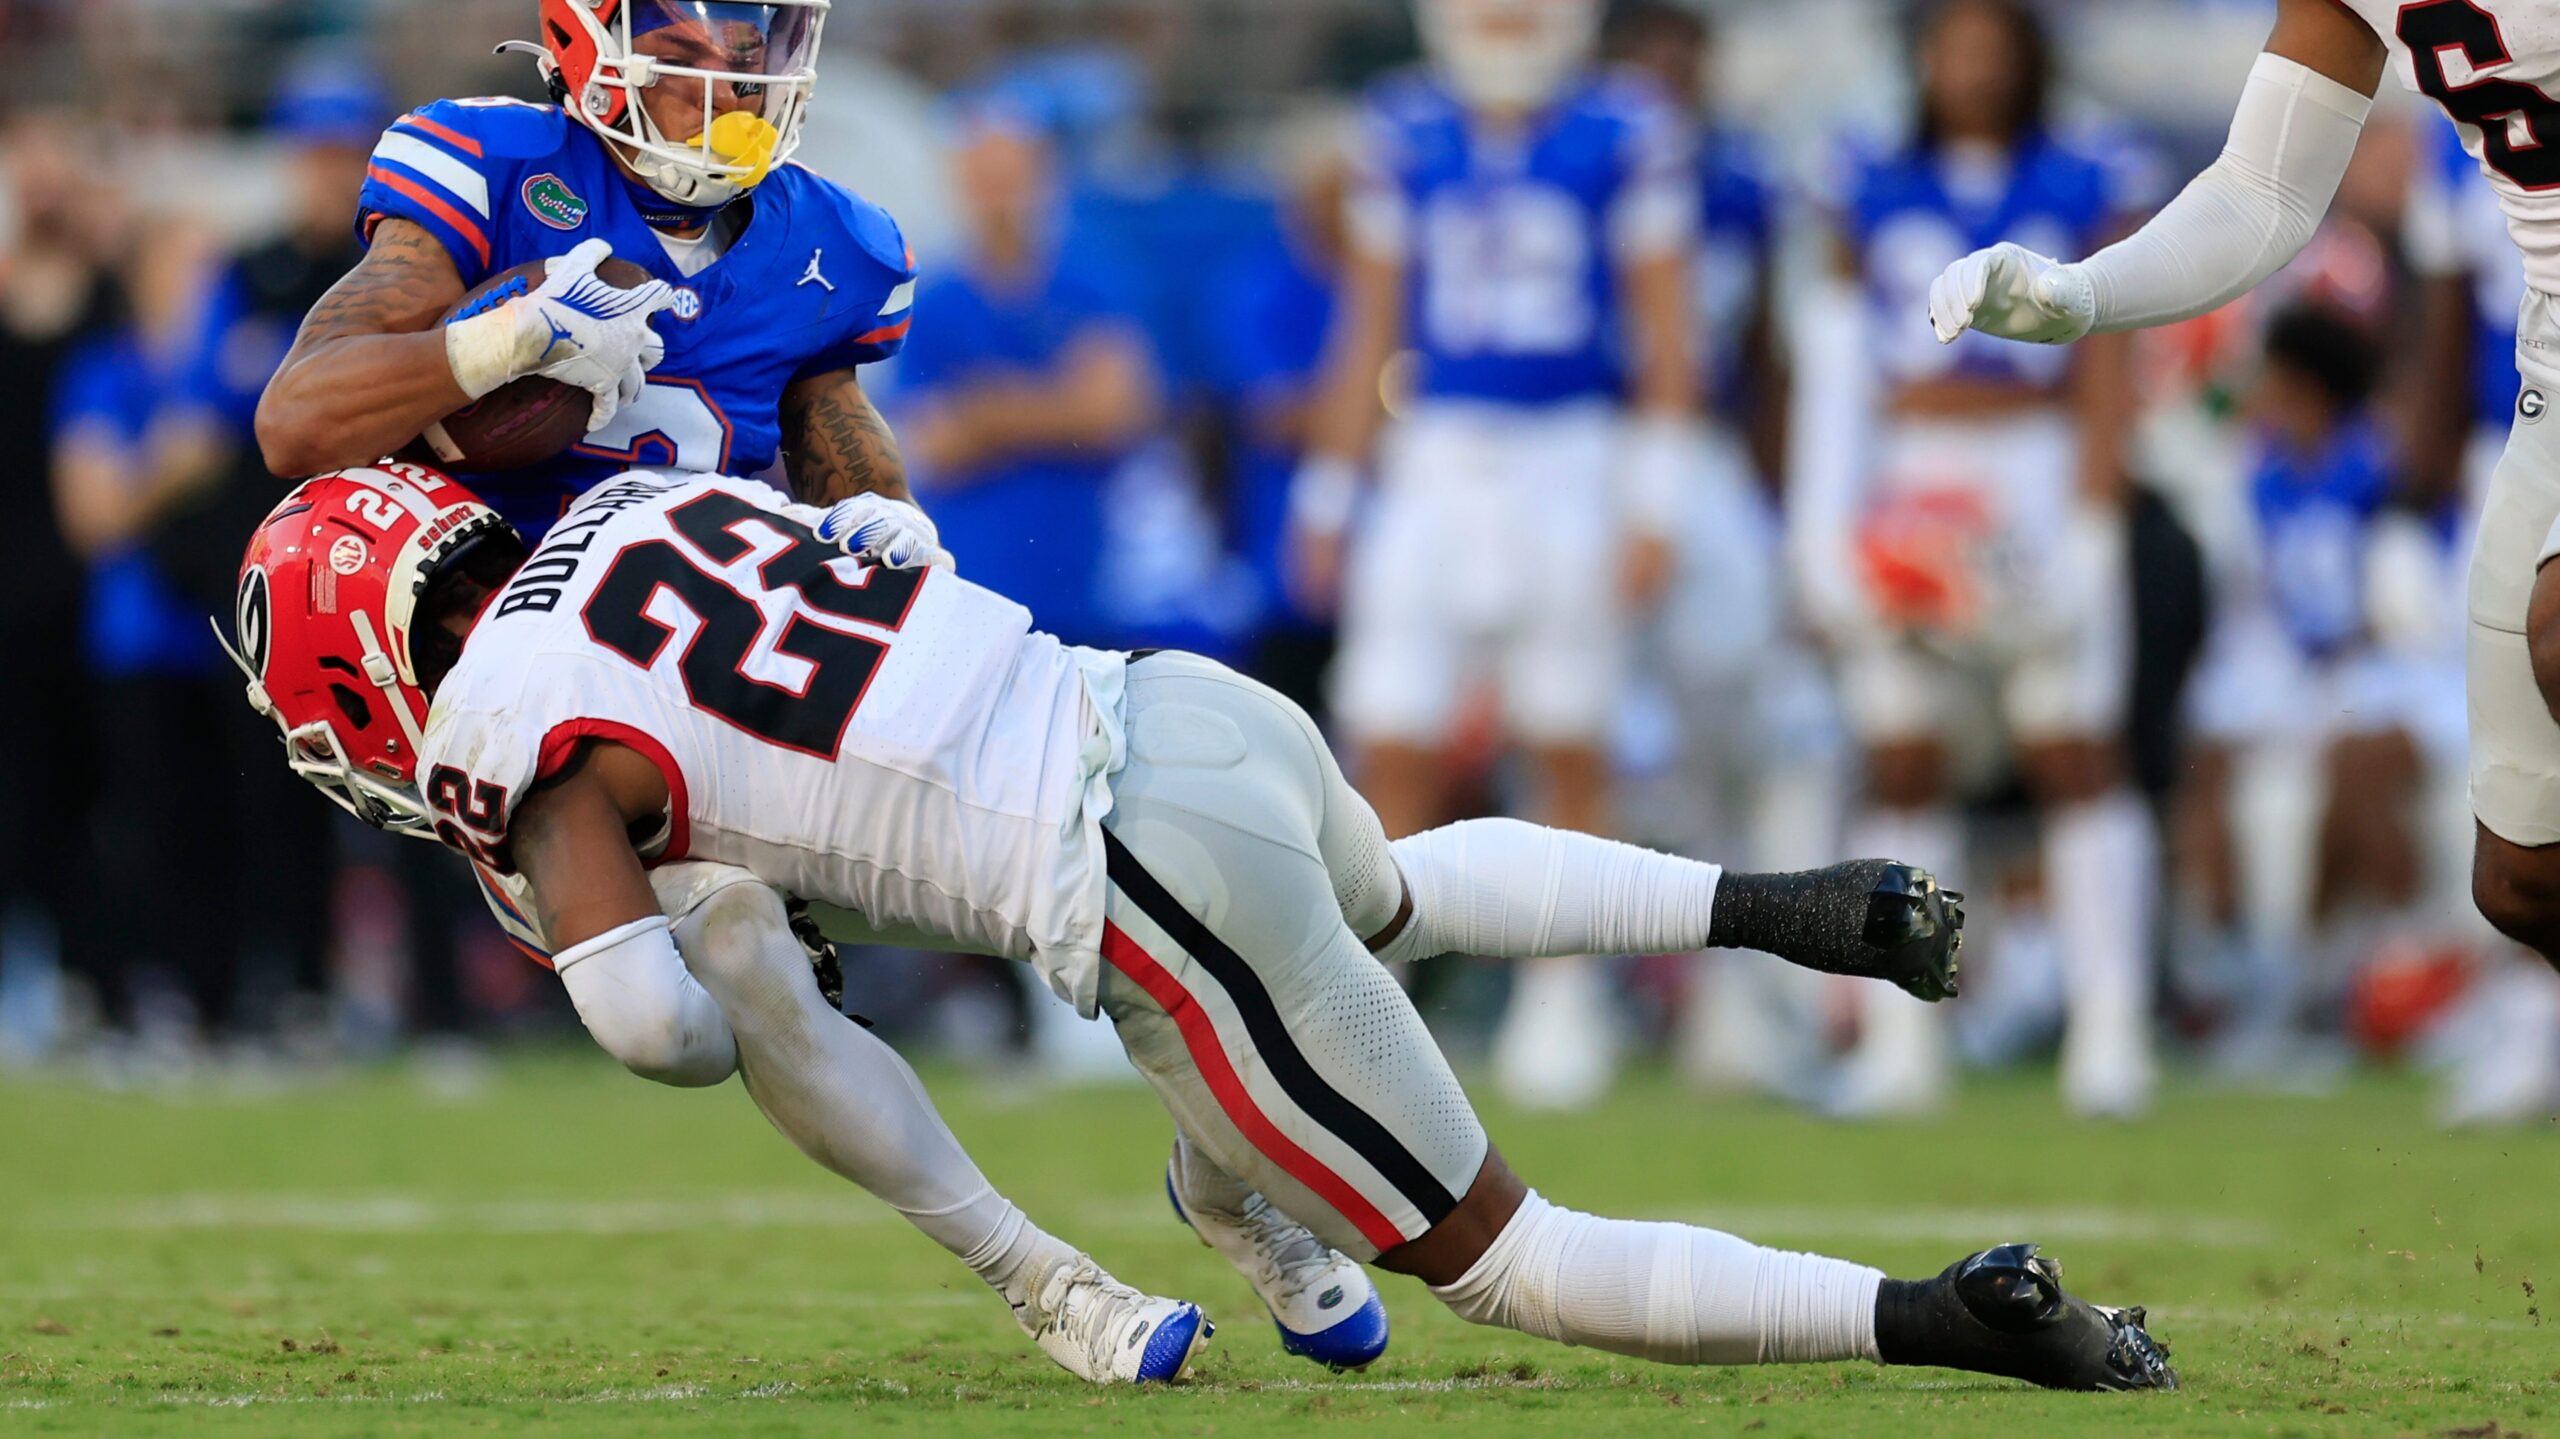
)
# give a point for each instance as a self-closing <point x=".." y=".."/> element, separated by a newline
<point x="2247" y="215"/>
<point x="634" y="994"/>
<point x="1656" y="211"/>
<point x="430" y="169"/>
<point x="1376" y="213"/>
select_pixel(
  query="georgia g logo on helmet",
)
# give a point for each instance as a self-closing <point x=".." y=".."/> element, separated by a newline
<point x="252" y="618"/>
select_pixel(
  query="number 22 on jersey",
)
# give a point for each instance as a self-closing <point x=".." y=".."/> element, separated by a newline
<point x="718" y="664"/>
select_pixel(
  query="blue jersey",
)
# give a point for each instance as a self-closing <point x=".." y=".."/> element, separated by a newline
<point x="1028" y="524"/>
<point x="818" y="280"/>
<point x="1911" y="213"/>
<point x="2315" y="514"/>
<point x="1512" y="240"/>
<point x="115" y="390"/>
<point x="1270" y="313"/>
<point x="1737" y="241"/>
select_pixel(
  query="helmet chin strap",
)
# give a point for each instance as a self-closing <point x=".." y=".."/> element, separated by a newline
<point x="386" y="677"/>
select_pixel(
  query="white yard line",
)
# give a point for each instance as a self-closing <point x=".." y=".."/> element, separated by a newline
<point x="398" y="1213"/>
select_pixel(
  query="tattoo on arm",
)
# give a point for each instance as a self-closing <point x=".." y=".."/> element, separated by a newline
<point x="405" y="283"/>
<point x="836" y="445"/>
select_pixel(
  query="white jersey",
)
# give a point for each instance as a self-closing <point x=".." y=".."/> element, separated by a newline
<point x="2494" y="65"/>
<point x="901" y="744"/>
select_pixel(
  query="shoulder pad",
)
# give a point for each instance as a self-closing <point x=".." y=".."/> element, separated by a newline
<point x="873" y="232"/>
<point x="502" y="128"/>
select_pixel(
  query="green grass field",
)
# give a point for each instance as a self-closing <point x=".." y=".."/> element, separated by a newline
<point x="577" y="1252"/>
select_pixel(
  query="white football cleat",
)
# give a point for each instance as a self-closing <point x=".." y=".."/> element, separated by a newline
<point x="1557" y="1048"/>
<point x="1104" y="1332"/>
<point x="1319" y="1297"/>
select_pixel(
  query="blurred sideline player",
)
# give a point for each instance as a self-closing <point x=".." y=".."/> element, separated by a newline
<point x="668" y="147"/>
<point x="2455" y="238"/>
<point x="1759" y="759"/>
<point x="2316" y="701"/>
<point x="2492" y="65"/>
<point x="1523" y="224"/>
<point x="1957" y="522"/>
<point x="1164" y="840"/>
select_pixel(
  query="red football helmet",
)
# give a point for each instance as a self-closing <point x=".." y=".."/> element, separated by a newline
<point x="329" y="590"/>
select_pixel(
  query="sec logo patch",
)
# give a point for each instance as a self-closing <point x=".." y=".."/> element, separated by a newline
<point x="688" y="303"/>
<point x="348" y="555"/>
<point x="2532" y="405"/>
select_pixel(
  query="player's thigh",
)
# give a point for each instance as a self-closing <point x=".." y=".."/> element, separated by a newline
<point x="1271" y="1034"/>
<point x="1894" y="692"/>
<point x="2515" y="745"/>
<point x="2074" y="682"/>
<point x="1403" y="658"/>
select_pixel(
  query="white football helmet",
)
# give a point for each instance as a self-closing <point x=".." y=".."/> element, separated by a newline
<point x="607" y="59"/>
<point x="1509" y="54"/>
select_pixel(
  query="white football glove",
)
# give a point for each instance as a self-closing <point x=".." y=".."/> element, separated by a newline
<point x="2013" y="293"/>
<point x="576" y="328"/>
<point x="886" y="532"/>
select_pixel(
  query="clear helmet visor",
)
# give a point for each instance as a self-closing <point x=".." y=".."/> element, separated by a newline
<point x="718" y="91"/>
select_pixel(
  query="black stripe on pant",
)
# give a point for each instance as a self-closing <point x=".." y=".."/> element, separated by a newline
<point x="1277" y="1048"/>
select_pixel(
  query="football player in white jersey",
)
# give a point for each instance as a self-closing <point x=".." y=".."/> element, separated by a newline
<point x="686" y="670"/>
<point x="2494" y="65"/>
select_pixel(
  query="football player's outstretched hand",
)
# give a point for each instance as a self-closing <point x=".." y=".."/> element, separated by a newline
<point x="577" y="328"/>
<point x="2013" y="293"/>
<point x="886" y="532"/>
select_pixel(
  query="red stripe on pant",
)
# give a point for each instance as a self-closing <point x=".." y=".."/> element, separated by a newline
<point x="1200" y="1036"/>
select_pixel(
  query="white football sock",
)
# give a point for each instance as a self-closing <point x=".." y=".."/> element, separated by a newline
<point x="1666" y="1292"/>
<point x="847" y="1099"/>
<point x="1507" y="889"/>
<point x="2101" y="860"/>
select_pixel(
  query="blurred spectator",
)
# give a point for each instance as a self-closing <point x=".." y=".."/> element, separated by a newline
<point x="326" y="117"/>
<point x="1957" y="516"/>
<point x="136" y="433"/>
<point x="55" y="292"/>
<point x="2315" y="715"/>
<point x="1027" y="388"/>
<point x="1268" y="311"/>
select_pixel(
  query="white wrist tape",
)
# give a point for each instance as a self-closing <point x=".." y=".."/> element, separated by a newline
<point x="1324" y="494"/>
<point x="1659" y="472"/>
<point x="488" y="350"/>
<point x="2248" y="214"/>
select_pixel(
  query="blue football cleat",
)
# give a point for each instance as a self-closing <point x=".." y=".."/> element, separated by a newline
<point x="1103" y="1331"/>
<point x="1320" y="1299"/>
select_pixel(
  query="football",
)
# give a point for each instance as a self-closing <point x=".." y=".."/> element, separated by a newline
<point x="523" y="422"/>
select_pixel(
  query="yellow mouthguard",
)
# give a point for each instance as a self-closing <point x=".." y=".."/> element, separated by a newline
<point x="739" y="138"/>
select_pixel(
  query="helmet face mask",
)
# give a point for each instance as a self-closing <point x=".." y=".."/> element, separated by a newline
<point x="1509" y="54"/>
<point x="701" y="98"/>
<point x="330" y="589"/>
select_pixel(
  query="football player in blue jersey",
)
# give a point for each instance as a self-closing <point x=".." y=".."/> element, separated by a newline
<point x="669" y="147"/>
<point x="1956" y="525"/>
<point x="1761" y="763"/>
<point x="1522" y="224"/>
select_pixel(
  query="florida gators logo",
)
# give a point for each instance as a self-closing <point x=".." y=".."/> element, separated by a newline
<point x="554" y="203"/>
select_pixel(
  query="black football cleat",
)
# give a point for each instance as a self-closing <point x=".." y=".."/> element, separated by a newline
<point x="2025" y="1326"/>
<point x="1867" y="918"/>
<point x="1916" y="932"/>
